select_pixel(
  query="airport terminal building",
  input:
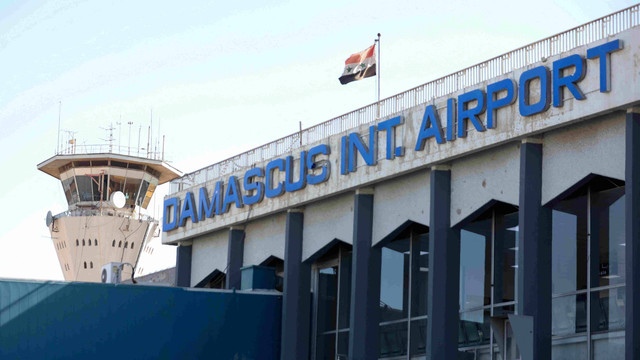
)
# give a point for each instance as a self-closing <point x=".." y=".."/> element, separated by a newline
<point x="493" y="213"/>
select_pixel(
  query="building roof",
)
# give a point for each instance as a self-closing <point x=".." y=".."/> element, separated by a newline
<point x="52" y="165"/>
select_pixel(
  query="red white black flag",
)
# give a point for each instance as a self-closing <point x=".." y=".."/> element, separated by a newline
<point x="359" y="66"/>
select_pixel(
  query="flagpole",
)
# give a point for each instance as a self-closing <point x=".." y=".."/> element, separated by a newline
<point x="378" y="73"/>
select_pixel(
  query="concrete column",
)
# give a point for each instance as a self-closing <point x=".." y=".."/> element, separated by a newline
<point x="365" y="282"/>
<point x="534" y="250"/>
<point x="444" y="270"/>
<point x="183" y="265"/>
<point x="632" y="233"/>
<point x="296" y="300"/>
<point x="235" y="255"/>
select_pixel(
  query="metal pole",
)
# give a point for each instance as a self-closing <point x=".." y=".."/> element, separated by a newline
<point x="378" y="73"/>
<point x="300" y="133"/>
<point x="129" y="146"/>
<point x="139" y="132"/>
<point x="59" y="112"/>
<point x="119" y="132"/>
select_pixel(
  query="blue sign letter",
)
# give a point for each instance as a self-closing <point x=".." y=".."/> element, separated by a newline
<point x="527" y="109"/>
<point x="311" y="165"/>
<point x="369" y="153"/>
<point x="232" y="195"/>
<point x="170" y="203"/>
<point x="430" y="128"/>
<point x="270" y="191"/>
<point x="256" y="185"/>
<point x="188" y="210"/>
<point x="570" y="81"/>
<point x="493" y="103"/>
<point x="604" y="53"/>
<point x="289" y="184"/>
<point x="389" y="127"/>
<point x="471" y="114"/>
<point x="451" y="118"/>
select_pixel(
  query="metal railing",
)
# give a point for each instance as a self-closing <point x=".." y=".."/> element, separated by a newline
<point x="529" y="54"/>
<point x="75" y="149"/>
<point x="106" y="212"/>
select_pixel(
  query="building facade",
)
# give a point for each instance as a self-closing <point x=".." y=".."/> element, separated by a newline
<point x="490" y="214"/>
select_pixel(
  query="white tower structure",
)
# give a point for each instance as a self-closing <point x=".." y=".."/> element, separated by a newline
<point x="105" y="192"/>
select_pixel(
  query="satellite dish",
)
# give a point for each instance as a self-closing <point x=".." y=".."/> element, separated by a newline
<point x="103" y="277"/>
<point x="118" y="199"/>
<point x="49" y="219"/>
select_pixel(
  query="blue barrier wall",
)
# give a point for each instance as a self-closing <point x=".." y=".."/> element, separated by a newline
<point x="56" y="320"/>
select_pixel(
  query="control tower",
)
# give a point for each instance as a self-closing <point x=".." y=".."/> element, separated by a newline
<point x="106" y="192"/>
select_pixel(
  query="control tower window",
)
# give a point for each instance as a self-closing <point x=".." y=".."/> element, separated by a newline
<point x="118" y="164"/>
<point x="105" y="187"/>
<point x="116" y="183"/>
<point x="143" y="192"/>
<point x="131" y="190"/>
<point x="95" y="186"/>
<point x="70" y="190"/>
<point x="136" y="166"/>
<point x="85" y="188"/>
<point x="67" y="190"/>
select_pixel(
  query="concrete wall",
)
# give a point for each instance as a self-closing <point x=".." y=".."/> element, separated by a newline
<point x="209" y="253"/>
<point x="399" y="200"/>
<point x="510" y="128"/>
<point x="327" y="220"/>
<point x="571" y="153"/>
<point x="493" y="174"/>
<point x="263" y="238"/>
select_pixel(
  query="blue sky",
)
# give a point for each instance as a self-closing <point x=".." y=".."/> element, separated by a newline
<point x="221" y="78"/>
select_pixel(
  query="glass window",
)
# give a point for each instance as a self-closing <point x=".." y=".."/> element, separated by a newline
<point x="394" y="280"/>
<point x="95" y="185"/>
<point x="569" y="315"/>
<point x="67" y="190"/>
<point x="105" y="187"/>
<point x="608" y="346"/>
<point x="569" y="245"/>
<point x="116" y="183"/>
<point x="131" y="188"/>
<point x="148" y="194"/>
<point x="588" y="272"/>
<point x="488" y="278"/>
<point x="608" y="235"/>
<point x="333" y="297"/>
<point x="85" y="187"/>
<point x="403" y="293"/>
<point x="475" y="262"/>
<point x="143" y="192"/>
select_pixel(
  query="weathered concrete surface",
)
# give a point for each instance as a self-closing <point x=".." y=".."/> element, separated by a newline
<point x="263" y="238"/>
<point x="570" y="154"/>
<point x="327" y="220"/>
<point x="399" y="200"/>
<point x="511" y="127"/>
<point x="493" y="174"/>
<point x="209" y="253"/>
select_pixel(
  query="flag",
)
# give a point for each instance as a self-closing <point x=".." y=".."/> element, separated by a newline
<point x="359" y="66"/>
